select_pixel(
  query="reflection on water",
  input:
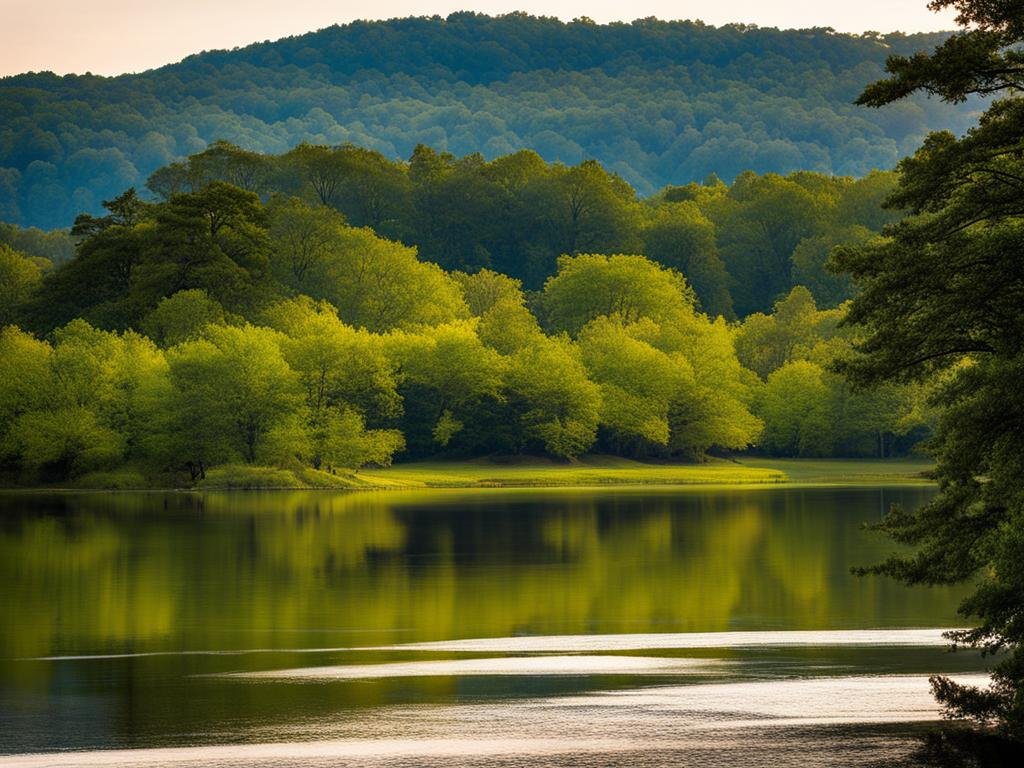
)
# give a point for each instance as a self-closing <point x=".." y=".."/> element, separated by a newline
<point x="318" y="627"/>
<point x="529" y="665"/>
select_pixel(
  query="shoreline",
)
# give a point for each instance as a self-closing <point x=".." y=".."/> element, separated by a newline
<point x="588" y="473"/>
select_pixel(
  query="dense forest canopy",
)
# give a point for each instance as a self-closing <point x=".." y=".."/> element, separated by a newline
<point x="221" y="326"/>
<point x="741" y="246"/>
<point x="655" y="102"/>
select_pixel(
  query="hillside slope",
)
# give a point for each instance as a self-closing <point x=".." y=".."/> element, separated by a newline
<point x="656" y="102"/>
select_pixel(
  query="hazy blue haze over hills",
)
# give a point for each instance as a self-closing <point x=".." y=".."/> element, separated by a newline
<point x="657" y="102"/>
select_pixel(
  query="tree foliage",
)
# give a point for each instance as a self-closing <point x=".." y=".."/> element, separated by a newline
<point x="276" y="332"/>
<point x="741" y="246"/>
<point x="20" y="278"/>
<point x="940" y="301"/>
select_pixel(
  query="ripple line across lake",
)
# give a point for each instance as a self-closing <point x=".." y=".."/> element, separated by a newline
<point x="521" y="665"/>
<point x="595" y="643"/>
<point x="680" y="640"/>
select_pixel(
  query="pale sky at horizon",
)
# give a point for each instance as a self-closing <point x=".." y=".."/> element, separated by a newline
<point x="115" y="36"/>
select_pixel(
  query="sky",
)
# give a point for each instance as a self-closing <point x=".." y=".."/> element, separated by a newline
<point x="114" y="36"/>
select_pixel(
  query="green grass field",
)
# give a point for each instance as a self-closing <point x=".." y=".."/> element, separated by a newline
<point x="847" y="471"/>
<point x="607" y="470"/>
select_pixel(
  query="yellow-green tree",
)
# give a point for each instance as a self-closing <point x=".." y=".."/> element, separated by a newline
<point x="234" y="398"/>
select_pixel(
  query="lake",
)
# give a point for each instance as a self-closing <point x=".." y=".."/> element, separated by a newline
<point x="596" y="627"/>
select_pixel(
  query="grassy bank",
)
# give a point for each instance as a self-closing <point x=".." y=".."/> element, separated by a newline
<point x="590" y="470"/>
<point x="605" y="470"/>
<point x="847" y="471"/>
<point x="535" y="473"/>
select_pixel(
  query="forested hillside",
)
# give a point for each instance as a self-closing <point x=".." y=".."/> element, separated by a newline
<point x="655" y="102"/>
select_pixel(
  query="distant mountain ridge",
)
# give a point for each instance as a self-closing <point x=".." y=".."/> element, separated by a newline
<point x="657" y="102"/>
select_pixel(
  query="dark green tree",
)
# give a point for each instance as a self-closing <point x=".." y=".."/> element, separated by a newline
<point x="221" y="161"/>
<point x="941" y="298"/>
<point x="760" y="223"/>
<point x="214" y="240"/>
<point x="680" y="236"/>
<point x="95" y="284"/>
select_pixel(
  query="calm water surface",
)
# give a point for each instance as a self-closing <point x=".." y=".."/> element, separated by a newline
<point x="586" y="627"/>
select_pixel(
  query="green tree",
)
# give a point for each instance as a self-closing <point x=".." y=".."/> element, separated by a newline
<point x="716" y="409"/>
<point x="862" y="202"/>
<point x="446" y="375"/>
<point x="125" y="210"/>
<point x="182" y="317"/>
<point x="322" y="168"/>
<point x="97" y="283"/>
<point x="484" y="289"/>
<point x="760" y="223"/>
<point x="337" y="364"/>
<point x="214" y="239"/>
<point x="506" y="324"/>
<point x="810" y="264"/>
<point x="871" y="421"/>
<point x="576" y="209"/>
<point x="27" y="386"/>
<point x="556" y="405"/>
<point x="638" y="382"/>
<point x="454" y="207"/>
<point x="766" y="342"/>
<point x="347" y="376"/>
<point x="303" y="238"/>
<point x="680" y="236"/>
<point x="64" y="443"/>
<point x="713" y="410"/>
<point x="631" y="287"/>
<point x="234" y="398"/>
<point x="89" y="406"/>
<point x="378" y="284"/>
<point x="222" y="161"/>
<point x="796" y="408"/>
<point x="113" y="375"/>
<point x="20" y="278"/>
<point x="56" y="247"/>
<point x="509" y="326"/>
<point x="340" y="439"/>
